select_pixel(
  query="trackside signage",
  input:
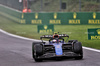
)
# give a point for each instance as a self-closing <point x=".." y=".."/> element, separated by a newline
<point x="65" y="18"/>
<point x="45" y="28"/>
<point x="94" y="34"/>
<point x="74" y="20"/>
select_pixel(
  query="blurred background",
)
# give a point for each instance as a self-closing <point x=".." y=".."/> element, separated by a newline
<point x="54" y="5"/>
<point x="25" y="24"/>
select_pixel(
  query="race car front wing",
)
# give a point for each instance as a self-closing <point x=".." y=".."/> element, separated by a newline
<point x="65" y="54"/>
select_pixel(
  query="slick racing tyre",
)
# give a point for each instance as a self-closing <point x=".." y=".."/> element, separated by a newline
<point x="37" y="50"/>
<point x="79" y="57"/>
<point x="33" y="50"/>
<point x="38" y="60"/>
<point x="78" y="49"/>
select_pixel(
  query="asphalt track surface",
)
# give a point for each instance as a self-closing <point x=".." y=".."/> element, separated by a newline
<point x="18" y="52"/>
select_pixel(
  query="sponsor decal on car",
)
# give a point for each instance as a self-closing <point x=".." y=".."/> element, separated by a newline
<point x="58" y="49"/>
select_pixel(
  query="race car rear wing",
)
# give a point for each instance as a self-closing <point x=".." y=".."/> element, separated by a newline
<point x="51" y="36"/>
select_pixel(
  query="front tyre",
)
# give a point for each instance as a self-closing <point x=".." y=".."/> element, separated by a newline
<point x="38" y="60"/>
<point x="79" y="57"/>
<point x="37" y="50"/>
<point x="78" y="49"/>
<point x="33" y="50"/>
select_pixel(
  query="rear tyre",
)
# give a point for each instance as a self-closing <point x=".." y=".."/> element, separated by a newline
<point x="78" y="49"/>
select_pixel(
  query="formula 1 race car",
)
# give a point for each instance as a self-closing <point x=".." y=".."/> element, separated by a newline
<point x="56" y="48"/>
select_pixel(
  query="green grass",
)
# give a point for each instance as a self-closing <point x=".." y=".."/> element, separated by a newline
<point x="78" y="32"/>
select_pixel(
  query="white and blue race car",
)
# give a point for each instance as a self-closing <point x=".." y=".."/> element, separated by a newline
<point x="57" y="48"/>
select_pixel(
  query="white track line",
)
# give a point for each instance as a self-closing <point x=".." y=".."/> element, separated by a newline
<point x="16" y="36"/>
<point x="91" y="49"/>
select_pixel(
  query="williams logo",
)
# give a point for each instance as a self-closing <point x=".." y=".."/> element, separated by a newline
<point x="98" y="31"/>
<point x="45" y="27"/>
<point x="94" y="15"/>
